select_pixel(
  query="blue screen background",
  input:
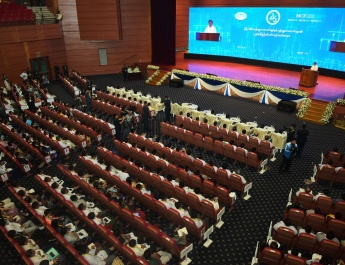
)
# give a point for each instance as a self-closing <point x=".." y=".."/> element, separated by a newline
<point x="297" y="36"/>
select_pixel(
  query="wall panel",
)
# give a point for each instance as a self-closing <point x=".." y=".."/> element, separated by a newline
<point x="19" y="44"/>
<point x="83" y="56"/>
<point x="100" y="14"/>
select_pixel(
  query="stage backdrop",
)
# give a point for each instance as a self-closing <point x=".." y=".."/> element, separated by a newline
<point x="296" y="36"/>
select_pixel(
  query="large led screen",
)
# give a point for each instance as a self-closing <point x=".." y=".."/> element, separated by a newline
<point x="298" y="36"/>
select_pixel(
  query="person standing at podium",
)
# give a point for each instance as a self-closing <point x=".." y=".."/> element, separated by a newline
<point x="210" y="28"/>
<point x="314" y="67"/>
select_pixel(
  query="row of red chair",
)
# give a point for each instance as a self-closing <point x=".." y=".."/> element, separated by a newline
<point x="105" y="233"/>
<point x="12" y="14"/>
<point x="227" y="150"/>
<point x="122" y="101"/>
<point x="329" y="174"/>
<point x="18" y="247"/>
<point x="126" y="214"/>
<point x="74" y="124"/>
<point x="103" y="106"/>
<point x="23" y="143"/>
<point x="94" y="123"/>
<point x="67" y="85"/>
<point x="305" y="241"/>
<point x="206" y="187"/>
<point x="337" y="158"/>
<point x="80" y="80"/>
<point x="317" y="222"/>
<point x="56" y="129"/>
<point x="23" y="168"/>
<point x="234" y="182"/>
<point x="39" y="89"/>
<point x="45" y="139"/>
<point x="322" y="202"/>
<point x="205" y="207"/>
<point x="215" y="132"/>
<point x="273" y="256"/>
<point x="52" y="231"/>
<point x="156" y="234"/>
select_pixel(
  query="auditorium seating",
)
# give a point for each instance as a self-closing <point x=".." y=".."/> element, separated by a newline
<point x="23" y="168"/>
<point x="205" y="143"/>
<point x="74" y="124"/>
<point x="99" y="229"/>
<point x="56" y="129"/>
<point x="12" y="14"/>
<point x="52" y="231"/>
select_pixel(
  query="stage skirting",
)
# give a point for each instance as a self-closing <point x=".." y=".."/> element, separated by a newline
<point x="235" y="90"/>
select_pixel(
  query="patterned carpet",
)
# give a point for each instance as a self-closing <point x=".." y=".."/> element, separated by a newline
<point x="235" y="242"/>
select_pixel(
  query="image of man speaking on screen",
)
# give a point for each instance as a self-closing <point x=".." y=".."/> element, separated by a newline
<point x="210" y="28"/>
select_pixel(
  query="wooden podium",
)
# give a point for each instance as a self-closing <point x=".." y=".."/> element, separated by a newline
<point x="308" y="78"/>
<point x="207" y="36"/>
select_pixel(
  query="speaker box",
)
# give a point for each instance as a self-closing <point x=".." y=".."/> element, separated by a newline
<point x="176" y="82"/>
<point x="286" y="106"/>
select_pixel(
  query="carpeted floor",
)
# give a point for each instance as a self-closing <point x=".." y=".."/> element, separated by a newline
<point x="235" y="242"/>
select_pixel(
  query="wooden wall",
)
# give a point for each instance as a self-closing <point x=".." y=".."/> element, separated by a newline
<point x="19" y="44"/>
<point x="99" y="20"/>
<point x="135" y="45"/>
<point x="182" y="13"/>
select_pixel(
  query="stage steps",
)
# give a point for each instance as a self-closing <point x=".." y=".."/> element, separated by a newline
<point x="315" y="112"/>
<point x="158" y="78"/>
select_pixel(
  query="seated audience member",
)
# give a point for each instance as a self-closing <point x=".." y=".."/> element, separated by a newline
<point x="138" y="249"/>
<point x="325" y="193"/>
<point x="330" y="236"/>
<point x="286" y="223"/>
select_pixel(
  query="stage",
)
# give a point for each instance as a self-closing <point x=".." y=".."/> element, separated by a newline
<point x="328" y="88"/>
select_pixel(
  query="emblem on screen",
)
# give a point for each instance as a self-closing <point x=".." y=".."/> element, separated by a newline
<point x="273" y="17"/>
<point x="240" y="16"/>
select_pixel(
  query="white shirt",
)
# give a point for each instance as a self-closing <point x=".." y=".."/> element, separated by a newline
<point x="211" y="29"/>
<point x="314" y="68"/>
<point x="93" y="260"/>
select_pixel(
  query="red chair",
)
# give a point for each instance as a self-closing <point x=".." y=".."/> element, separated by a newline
<point x="337" y="226"/>
<point x="236" y="183"/>
<point x="194" y="202"/>
<point x="315" y="221"/>
<point x="181" y="195"/>
<point x="339" y="207"/>
<point x="232" y="136"/>
<point x="155" y="234"/>
<point x="214" y="132"/>
<point x="208" y="187"/>
<point x="229" y="151"/>
<point x="253" y="142"/>
<point x="210" y="172"/>
<point x="270" y="256"/>
<point x="196" y="182"/>
<point x="223" y="178"/>
<point x="208" y="143"/>
<point x="326" y="173"/>
<point x="199" y="140"/>
<point x="339" y="177"/>
<point x="305" y="241"/>
<point x="242" y="139"/>
<point x="253" y="161"/>
<point x="168" y="188"/>
<point x="184" y="176"/>
<point x="218" y="147"/>
<point x="204" y="128"/>
<point x="179" y="120"/>
<point x="208" y="209"/>
<point x="305" y="199"/>
<point x="192" y="228"/>
<point x="296" y="216"/>
<point x="223" y="133"/>
<point x="284" y="235"/>
<point x="265" y="148"/>
<point x="294" y="260"/>
<point x="174" y="216"/>
<point x="223" y="196"/>
<point x="328" y="248"/>
<point x="324" y="203"/>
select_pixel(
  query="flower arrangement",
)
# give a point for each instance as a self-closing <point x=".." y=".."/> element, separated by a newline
<point x="328" y="112"/>
<point x="340" y="101"/>
<point x="152" y="67"/>
<point x="303" y="109"/>
<point x="244" y="83"/>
